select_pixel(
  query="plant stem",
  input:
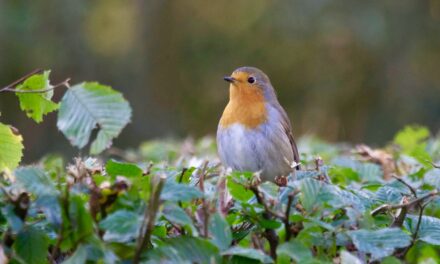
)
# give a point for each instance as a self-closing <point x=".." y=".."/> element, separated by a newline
<point x="16" y="82"/>
<point x="269" y="234"/>
<point x="149" y="220"/>
<point x="387" y="207"/>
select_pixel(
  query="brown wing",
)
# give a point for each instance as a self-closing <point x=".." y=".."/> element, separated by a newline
<point x="288" y="129"/>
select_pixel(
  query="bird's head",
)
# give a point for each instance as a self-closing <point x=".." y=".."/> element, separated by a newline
<point x="250" y="82"/>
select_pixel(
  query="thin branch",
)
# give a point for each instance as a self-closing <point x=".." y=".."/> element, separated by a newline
<point x="64" y="83"/>
<point x="205" y="206"/>
<point x="269" y="234"/>
<point x="388" y="207"/>
<point x="419" y="221"/>
<point x="260" y="199"/>
<point x="286" y="215"/>
<point x="16" y="82"/>
<point x="437" y="166"/>
<point x="413" y="191"/>
<point x="149" y="220"/>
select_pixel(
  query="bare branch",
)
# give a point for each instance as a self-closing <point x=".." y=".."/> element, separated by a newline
<point x="16" y="82"/>
<point x="286" y="221"/>
<point x="413" y="191"/>
<point x="149" y="220"/>
<point x="437" y="166"/>
<point x="419" y="221"/>
<point x="205" y="205"/>
<point x="64" y="83"/>
<point x="388" y="207"/>
<point x="269" y="234"/>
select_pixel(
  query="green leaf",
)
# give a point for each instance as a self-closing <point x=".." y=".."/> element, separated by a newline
<point x="87" y="106"/>
<point x="184" y="250"/>
<point x="80" y="220"/>
<point x="296" y="250"/>
<point x="429" y="230"/>
<point x="432" y="177"/>
<point x="220" y="231"/>
<point x="93" y="252"/>
<point x="310" y="189"/>
<point x="413" y="141"/>
<point x="238" y="191"/>
<point x="35" y="180"/>
<point x="31" y="245"/>
<point x="15" y="222"/>
<point x="11" y="148"/>
<point x="175" y="192"/>
<point x="248" y="253"/>
<point x="36" y="105"/>
<point x="115" y="168"/>
<point x="79" y="256"/>
<point x="175" y="214"/>
<point x="121" y="226"/>
<point x="379" y="243"/>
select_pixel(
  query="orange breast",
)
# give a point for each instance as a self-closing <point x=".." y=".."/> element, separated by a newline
<point x="246" y="106"/>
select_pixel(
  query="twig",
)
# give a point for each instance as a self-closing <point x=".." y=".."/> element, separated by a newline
<point x="286" y="216"/>
<point x="205" y="206"/>
<point x="387" y="207"/>
<point x="437" y="166"/>
<point x="270" y="234"/>
<point x="413" y="191"/>
<point x="260" y="200"/>
<point x="416" y="232"/>
<point x="149" y="220"/>
<point x="63" y="83"/>
<point x="401" y="214"/>
<point x="182" y="174"/>
<point x="14" y="83"/>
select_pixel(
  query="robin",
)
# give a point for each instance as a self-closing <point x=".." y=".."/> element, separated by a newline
<point x="254" y="132"/>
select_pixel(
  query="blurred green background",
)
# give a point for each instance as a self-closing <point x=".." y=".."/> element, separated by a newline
<point x="344" y="70"/>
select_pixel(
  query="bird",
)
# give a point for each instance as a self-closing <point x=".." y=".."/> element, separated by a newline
<point x="254" y="132"/>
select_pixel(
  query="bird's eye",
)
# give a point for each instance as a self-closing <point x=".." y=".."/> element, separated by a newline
<point x="251" y="80"/>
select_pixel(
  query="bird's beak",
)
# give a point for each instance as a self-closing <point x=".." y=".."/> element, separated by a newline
<point x="229" y="79"/>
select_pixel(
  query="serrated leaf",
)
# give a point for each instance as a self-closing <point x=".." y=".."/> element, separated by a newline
<point x="115" y="168"/>
<point x="36" y="105"/>
<point x="432" y="177"/>
<point x="429" y="230"/>
<point x="184" y="250"/>
<point x="121" y="226"/>
<point x="238" y="191"/>
<point x="413" y="140"/>
<point x="175" y="192"/>
<point x="87" y="106"/>
<point x="11" y="148"/>
<point x="79" y="256"/>
<point x="391" y="193"/>
<point x="379" y="243"/>
<point x="31" y="245"/>
<point x="295" y="250"/>
<point x="220" y="231"/>
<point x="310" y="189"/>
<point x="50" y="206"/>
<point x="248" y="253"/>
<point x="175" y="214"/>
<point x="339" y="198"/>
<point x="80" y="219"/>
<point x="35" y="180"/>
<point x="94" y="252"/>
<point x="13" y="220"/>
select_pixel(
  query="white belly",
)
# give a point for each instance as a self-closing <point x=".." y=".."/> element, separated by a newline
<point x="260" y="149"/>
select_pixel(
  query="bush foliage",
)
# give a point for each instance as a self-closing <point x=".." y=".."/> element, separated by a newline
<point x="172" y="202"/>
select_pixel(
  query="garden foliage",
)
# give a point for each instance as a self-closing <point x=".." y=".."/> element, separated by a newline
<point x="172" y="202"/>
